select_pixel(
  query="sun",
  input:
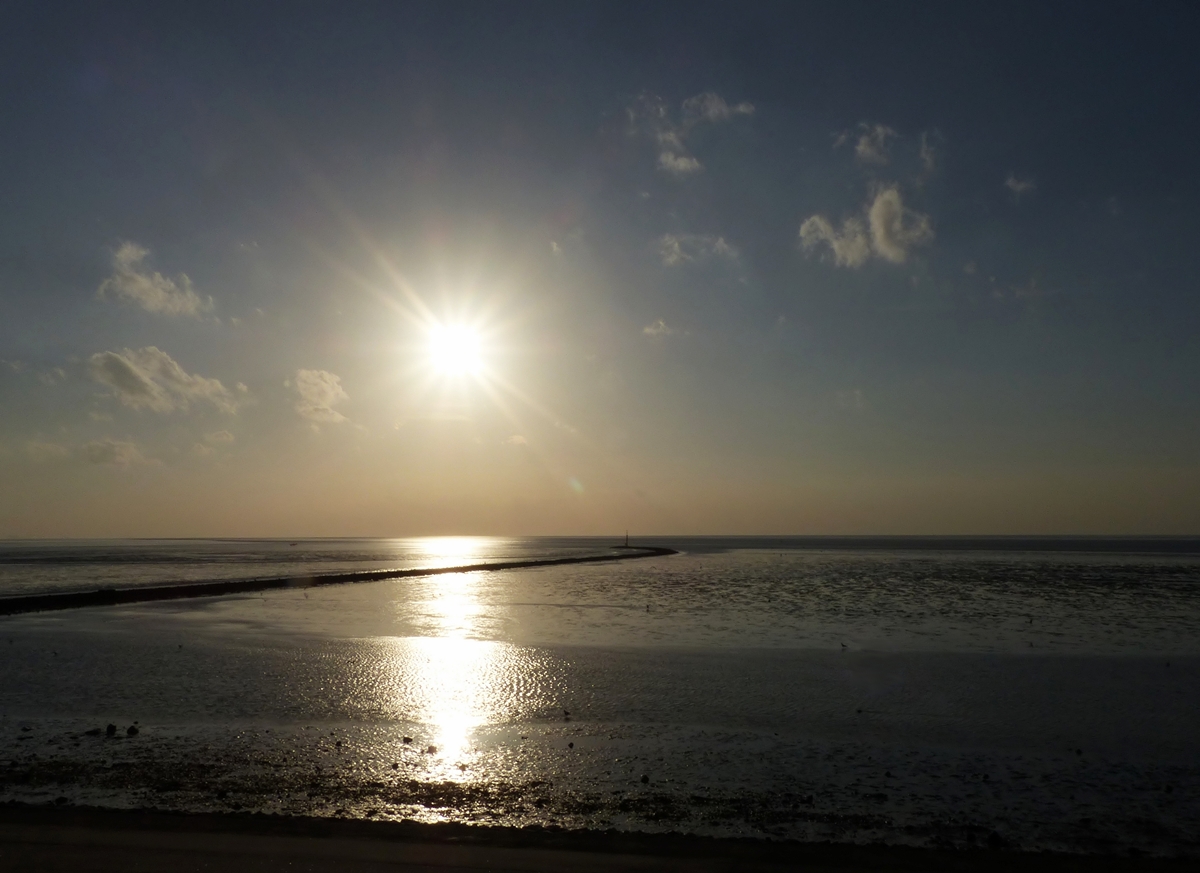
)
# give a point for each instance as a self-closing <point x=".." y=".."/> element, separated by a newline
<point x="455" y="350"/>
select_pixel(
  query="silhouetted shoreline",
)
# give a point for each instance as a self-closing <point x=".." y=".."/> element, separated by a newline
<point x="116" y="596"/>
<point x="57" y="838"/>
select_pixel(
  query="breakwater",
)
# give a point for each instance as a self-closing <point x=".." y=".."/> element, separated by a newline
<point x="118" y="596"/>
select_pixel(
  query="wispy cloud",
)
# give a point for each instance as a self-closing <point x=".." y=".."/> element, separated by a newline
<point x="1018" y="186"/>
<point x="318" y="392"/>
<point x="679" y="165"/>
<point x="211" y="442"/>
<point x="681" y="248"/>
<point x="712" y="108"/>
<point x="149" y="378"/>
<point x="659" y="328"/>
<point x="652" y="116"/>
<point x="110" y="452"/>
<point x="928" y="155"/>
<point x="891" y="231"/>
<point x="132" y="282"/>
<point x="871" y="143"/>
<point x="115" y="453"/>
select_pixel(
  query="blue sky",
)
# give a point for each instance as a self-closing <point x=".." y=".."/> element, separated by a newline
<point x="903" y="268"/>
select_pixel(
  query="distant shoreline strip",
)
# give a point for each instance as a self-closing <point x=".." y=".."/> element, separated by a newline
<point x="116" y="596"/>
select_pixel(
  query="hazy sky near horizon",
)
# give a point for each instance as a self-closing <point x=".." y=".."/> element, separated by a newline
<point x="731" y="268"/>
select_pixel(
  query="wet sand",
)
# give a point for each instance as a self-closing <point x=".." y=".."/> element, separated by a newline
<point x="100" y="840"/>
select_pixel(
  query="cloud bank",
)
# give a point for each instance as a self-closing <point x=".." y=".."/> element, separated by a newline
<point x="149" y="378"/>
<point x="132" y="283"/>
<point x="318" y="392"/>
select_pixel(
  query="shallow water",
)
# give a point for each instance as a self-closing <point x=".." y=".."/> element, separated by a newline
<point x="60" y="566"/>
<point x="1040" y="699"/>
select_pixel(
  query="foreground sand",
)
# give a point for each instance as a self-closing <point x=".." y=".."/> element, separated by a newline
<point x="85" y="840"/>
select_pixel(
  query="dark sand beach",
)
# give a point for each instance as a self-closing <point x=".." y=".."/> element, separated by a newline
<point x="100" y="840"/>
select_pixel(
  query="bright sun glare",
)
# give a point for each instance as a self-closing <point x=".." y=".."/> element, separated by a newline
<point x="455" y="350"/>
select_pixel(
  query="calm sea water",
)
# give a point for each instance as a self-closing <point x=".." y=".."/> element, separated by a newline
<point x="1043" y="694"/>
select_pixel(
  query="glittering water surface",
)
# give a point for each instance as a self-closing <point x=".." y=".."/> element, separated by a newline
<point x="1033" y="698"/>
<point x="36" y="567"/>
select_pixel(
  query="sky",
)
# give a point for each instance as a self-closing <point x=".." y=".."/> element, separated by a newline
<point x="356" y="269"/>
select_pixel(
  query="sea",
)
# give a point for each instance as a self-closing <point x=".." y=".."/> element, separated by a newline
<point x="1016" y="693"/>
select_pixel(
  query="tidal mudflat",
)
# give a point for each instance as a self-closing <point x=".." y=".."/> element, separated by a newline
<point x="1021" y="700"/>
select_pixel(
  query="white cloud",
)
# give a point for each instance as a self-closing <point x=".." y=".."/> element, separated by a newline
<point x="895" y="228"/>
<point x="154" y="292"/>
<point x="872" y="146"/>
<point x="53" y="376"/>
<point x="679" y="165"/>
<point x="1019" y="187"/>
<point x="850" y="246"/>
<point x="892" y="229"/>
<point x="516" y="440"/>
<point x="679" y="248"/>
<point x="651" y="116"/>
<point x="319" y="391"/>
<point x="658" y="328"/>
<point x="112" y="452"/>
<point x="149" y="378"/>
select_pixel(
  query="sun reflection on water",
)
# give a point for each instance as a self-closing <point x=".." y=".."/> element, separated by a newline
<point x="448" y="678"/>
<point x="452" y="551"/>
